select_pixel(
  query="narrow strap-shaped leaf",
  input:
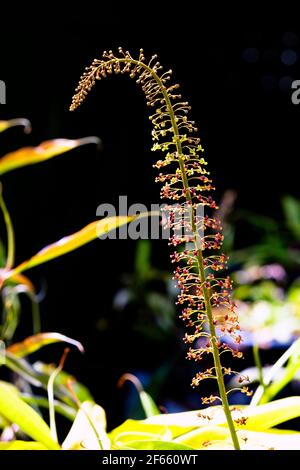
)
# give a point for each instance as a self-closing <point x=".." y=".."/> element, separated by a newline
<point x="147" y="402"/>
<point x="21" y="279"/>
<point x="46" y="150"/>
<point x="35" y="342"/>
<point x="256" y="418"/>
<point x="10" y="233"/>
<point x="4" y="125"/>
<point x="15" y="410"/>
<point x="74" y="241"/>
<point x="38" y="376"/>
<point x="42" y="402"/>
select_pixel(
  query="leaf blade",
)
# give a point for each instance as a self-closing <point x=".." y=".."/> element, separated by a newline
<point x="72" y="242"/>
<point x="35" y="342"/>
<point x="43" y="152"/>
<point x="4" y="125"/>
<point x="15" y="410"/>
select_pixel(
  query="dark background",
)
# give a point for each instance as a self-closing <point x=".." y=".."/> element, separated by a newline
<point x="238" y="83"/>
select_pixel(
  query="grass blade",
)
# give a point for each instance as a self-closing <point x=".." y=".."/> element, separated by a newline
<point x="4" y="125"/>
<point x="35" y="342"/>
<point x="15" y="410"/>
<point x="147" y="402"/>
<point x="72" y="242"/>
<point x="10" y="233"/>
<point x="43" y="152"/>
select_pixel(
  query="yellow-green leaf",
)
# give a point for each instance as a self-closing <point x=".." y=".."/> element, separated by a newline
<point x="15" y="410"/>
<point x="16" y="122"/>
<point x="46" y="150"/>
<point x="148" y="404"/>
<point x="199" y="437"/>
<point x="131" y="430"/>
<point x="271" y="414"/>
<point x="22" y="445"/>
<point x="256" y="418"/>
<point x="20" y="279"/>
<point x="74" y="241"/>
<point x="88" y="431"/>
<point x="155" y="445"/>
<point x="35" y="342"/>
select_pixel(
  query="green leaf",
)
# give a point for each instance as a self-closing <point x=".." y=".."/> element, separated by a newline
<point x="271" y="414"/>
<point x="22" y="445"/>
<point x="258" y="418"/>
<point x="38" y="376"/>
<point x="88" y="430"/>
<point x="35" y="342"/>
<point x="134" y="430"/>
<point x="74" y="241"/>
<point x="147" y="402"/>
<point x="276" y="439"/>
<point x="42" y="402"/>
<point x="9" y="231"/>
<point x="4" y="125"/>
<point x="46" y="150"/>
<point x="291" y="207"/>
<point x="199" y="437"/>
<point x="143" y="259"/>
<point x="15" y="410"/>
<point x="155" y="445"/>
<point x="81" y="391"/>
<point x="272" y="385"/>
<point x="11" y="312"/>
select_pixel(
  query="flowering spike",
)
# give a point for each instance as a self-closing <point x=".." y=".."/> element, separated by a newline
<point x="207" y="310"/>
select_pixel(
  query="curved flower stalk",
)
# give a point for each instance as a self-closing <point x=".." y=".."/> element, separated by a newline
<point x="203" y="290"/>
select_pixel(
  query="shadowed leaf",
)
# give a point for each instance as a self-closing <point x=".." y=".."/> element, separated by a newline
<point x="20" y="279"/>
<point x="147" y="402"/>
<point x="38" y="376"/>
<point x="15" y="410"/>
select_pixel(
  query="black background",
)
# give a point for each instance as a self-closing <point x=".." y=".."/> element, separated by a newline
<point x="248" y="125"/>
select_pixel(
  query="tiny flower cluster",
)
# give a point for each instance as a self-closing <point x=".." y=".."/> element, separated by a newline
<point x="207" y="309"/>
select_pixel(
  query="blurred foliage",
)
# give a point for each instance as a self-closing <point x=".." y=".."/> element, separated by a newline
<point x="150" y="294"/>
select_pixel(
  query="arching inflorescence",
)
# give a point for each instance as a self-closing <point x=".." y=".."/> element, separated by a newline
<point x="207" y="308"/>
